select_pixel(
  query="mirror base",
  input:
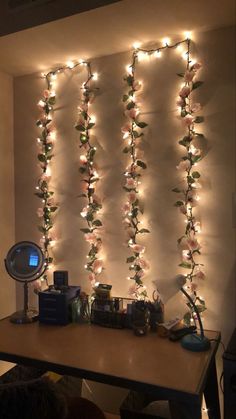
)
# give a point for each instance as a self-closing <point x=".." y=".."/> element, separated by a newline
<point x="22" y="317"/>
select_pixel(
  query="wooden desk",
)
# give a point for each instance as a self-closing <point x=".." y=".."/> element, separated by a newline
<point x="149" y="364"/>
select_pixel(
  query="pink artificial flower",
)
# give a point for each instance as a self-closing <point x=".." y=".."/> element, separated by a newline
<point x="92" y="277"/>
<point x="97" y="266"/>
<point x="180" y="102"/>
<point x="41" y="104"/>
<point x="184" y="165"/>
<point x="188" y="120"/>
<point x="37" y="286"/>
<point x="126" y="128"/>
<point x="140" y="273"/>
<point x="126" y="208"/>
<point x="40" y="212"/>
<point x="130" y="183"/>
<point x="143" y="264"/>
<point x="126" y="222"/>
<point x="133" y="290"/>
<point x="184" y="92"/>
<point x="84" y="212"/>
<point x="196" y="66"/>
<point x="132" y="113"/>
<point x="192" y="194"/>
<point x="91" y="238"/>
<point x="137" y="248"/>
<point x="200" y="275"/>
<point x="186" y="255"/>
<point x="45" y="177"/>
<point x="183" y="209"/>
<point x="132" y="197"/>
<point x="189" y="75"/>
<point x="192" y="243"/>
<point x="193" y="286"/>
<point x="99" y="244"/>
<point x="46" y="94"/>
<point x="195" y="107"/>
<point x="83" y="159"/>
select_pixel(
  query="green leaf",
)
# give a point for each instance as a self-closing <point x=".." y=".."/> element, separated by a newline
<point x="90" y="125"/>
<point x="126" y="149"/>
<point x="187" y="318"/>
<point x="130" y="259"/>
<point x="83" y="138"/>
<point x="89" y="216"/>
<point x="190" y="179"/>
<point x="53" y="209"/>
<point x="140" y="163"/>
<point x="80" y="127"/>
<point x="178" y="203"/>
<point x="42" y="158"/>
<point x="82" y="169"/>
<point x="42" y="229"/>
<point x="130" y="105"/>
<point x="92" y="153"/>
<point x="180" y="74"/>
<point x="199" y="119"/>
<point x="141" y="124"/>
<point x="134" y="212"/>
<point x="177" y="190"/>
<point x="125" y="98"/>
<point x="144" y="230"/>
<point x="97" y="223"/>
<point x="135" y="134"/>
<point x="52" y="100"/>
<point x="196" y="175"/>
<point x="185" y="265"/>
<point x="185" y="141"/>
<point x="82" y="195"/>
<point x="196" y="158"/>
<point x="197" y="84"/>
<point x="85" y="230"/>
<point x="183" y="113"/>
<point x="129" y="80"/>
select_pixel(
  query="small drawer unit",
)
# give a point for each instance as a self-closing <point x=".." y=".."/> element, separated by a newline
<point x="55" y="306"/>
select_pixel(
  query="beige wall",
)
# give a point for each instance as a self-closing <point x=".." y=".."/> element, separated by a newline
<point x="7" y="205"/>
<point x="215" y="50"/>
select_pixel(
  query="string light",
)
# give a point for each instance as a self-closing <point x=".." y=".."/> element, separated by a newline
<point x="188" y="196"/>
<point x="85" y="124"/>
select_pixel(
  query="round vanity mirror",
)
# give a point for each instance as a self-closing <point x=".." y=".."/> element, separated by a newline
<point x="25" y="262"/>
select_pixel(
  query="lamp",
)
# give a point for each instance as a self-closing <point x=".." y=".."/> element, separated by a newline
<point x="193" y="342"/>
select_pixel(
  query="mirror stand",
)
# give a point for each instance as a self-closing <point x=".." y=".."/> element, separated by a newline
<point x="26" y="315"/>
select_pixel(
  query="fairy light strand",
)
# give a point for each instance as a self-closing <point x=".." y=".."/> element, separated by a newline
<point x="189" y="190"/>
<point x="90" y="178"/>
<point x="46" y="143"/>
<point x="132" y="212"/>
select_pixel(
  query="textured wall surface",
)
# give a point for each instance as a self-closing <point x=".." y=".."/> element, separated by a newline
<point x="162" y="152"/>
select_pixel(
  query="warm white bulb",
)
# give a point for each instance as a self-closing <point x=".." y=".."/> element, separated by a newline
<point x="95" y="76"/>
<point x="157" y="54"/>
<point x="188" y="34"/>
<point x="53" y="76"/>
<point x="70" y="64"/>
<point x="93" y="119"/>
<point x="185" y="55"/>
<point x="166" y="42"/>
<point x="136" y="45"/>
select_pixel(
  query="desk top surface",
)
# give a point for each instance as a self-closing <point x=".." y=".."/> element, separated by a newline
<point x="100" y="353"/>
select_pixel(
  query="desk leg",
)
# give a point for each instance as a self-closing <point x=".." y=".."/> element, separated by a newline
<point x="180" y="410"/>
<point x="211" y="394"/>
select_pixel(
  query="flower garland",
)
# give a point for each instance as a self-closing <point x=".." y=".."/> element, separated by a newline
<point x="44" y="192"/>
<point x="189" y="244"/>
<point x="132" y="134"/>
<point x="92" y="232"/>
